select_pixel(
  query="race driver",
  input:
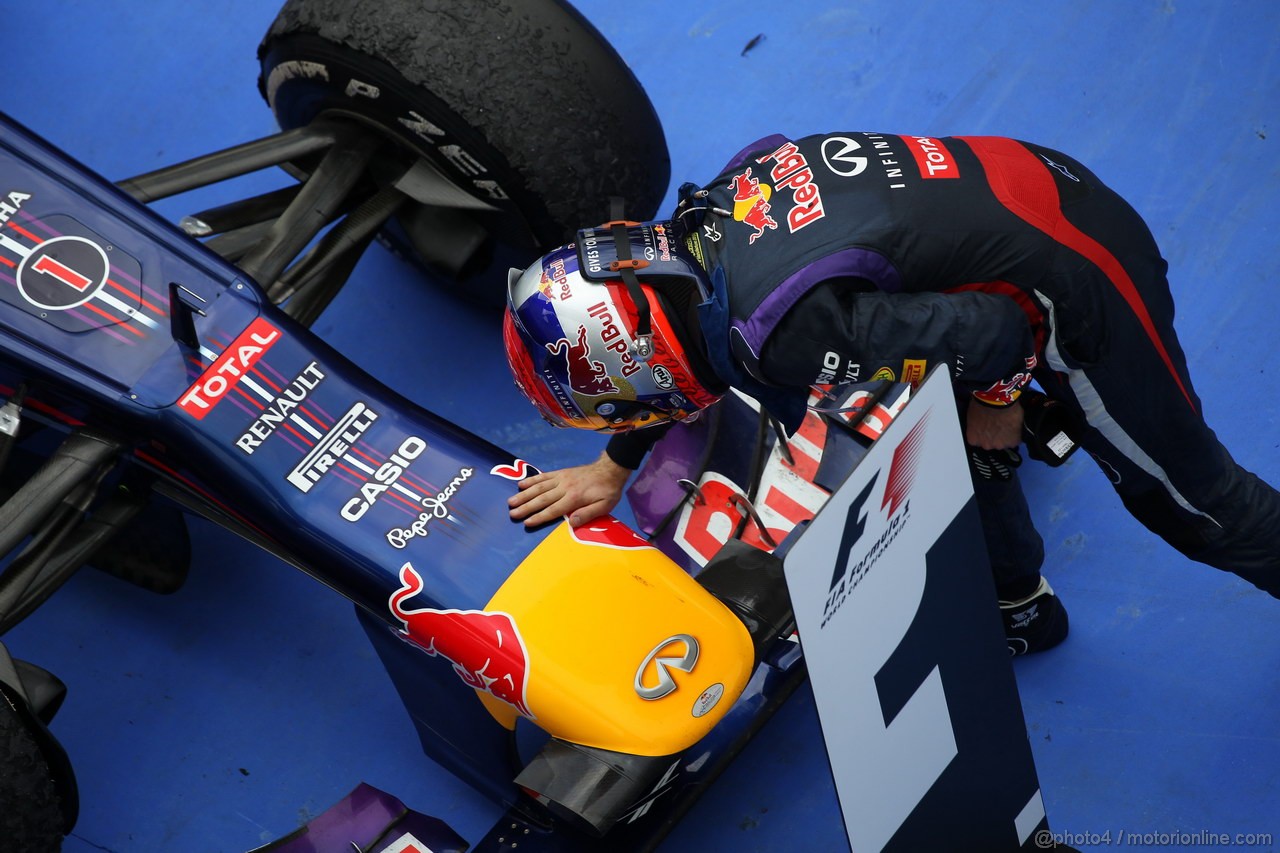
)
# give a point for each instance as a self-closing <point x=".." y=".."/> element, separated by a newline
<point x="836" y="257"/>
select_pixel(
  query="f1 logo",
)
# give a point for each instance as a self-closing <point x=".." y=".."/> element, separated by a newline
<point x="855" y="523"/>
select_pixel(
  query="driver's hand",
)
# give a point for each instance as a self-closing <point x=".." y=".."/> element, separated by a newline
<point x="991" y="428"/>
<point x="583" y="493"/>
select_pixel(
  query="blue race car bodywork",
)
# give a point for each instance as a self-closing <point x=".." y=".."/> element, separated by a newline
<point x="118" y="326"/>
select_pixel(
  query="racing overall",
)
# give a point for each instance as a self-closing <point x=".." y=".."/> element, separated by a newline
<point x="854" y="256"/>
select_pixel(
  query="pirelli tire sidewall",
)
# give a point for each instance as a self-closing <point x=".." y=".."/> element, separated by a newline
<point x="521" y="103"/>
<point x="296" y="101"/>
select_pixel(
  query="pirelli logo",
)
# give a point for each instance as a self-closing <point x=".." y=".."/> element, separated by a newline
<point x="332" y="447"/>
<point x="913" y="371"/>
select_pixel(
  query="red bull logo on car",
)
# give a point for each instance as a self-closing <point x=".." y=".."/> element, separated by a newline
<point x="607" y="532"/>
<point x="485" y="648"/>
<point x="516" y="471"/>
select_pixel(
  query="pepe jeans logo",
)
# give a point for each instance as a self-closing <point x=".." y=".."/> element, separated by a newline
<point x="435" y="507"/>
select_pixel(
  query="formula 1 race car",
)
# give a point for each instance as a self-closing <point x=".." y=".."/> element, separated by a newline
<point x="148" y="367"/>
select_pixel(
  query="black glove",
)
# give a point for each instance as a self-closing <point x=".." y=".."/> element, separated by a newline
<point x="1050" y="429"/>
<point x="993" y="464"/>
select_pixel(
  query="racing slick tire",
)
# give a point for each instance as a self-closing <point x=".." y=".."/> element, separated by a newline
<point x="31" y="815"/>
<point x="521" y="103"/>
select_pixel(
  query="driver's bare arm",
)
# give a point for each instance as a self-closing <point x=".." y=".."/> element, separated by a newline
<point x="581" y="493"/>
<point x="993" y="428"/>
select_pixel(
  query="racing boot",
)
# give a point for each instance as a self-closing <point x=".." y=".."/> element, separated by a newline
<point x="1034" y="623"/>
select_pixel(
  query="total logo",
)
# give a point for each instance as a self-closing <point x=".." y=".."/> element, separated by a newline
<point x="226" y="371"/>
<point x="932" y="157"/>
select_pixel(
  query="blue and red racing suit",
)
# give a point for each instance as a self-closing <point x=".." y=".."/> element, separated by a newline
<point x="852" y="256"/>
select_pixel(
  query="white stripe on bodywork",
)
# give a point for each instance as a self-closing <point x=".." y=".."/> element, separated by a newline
<point x="370" y="470"/>
<point x="14" y="246"/>
<point x="1095" y="413"/>
<point x="124" y="308"/>
<point x="266" y="395"/>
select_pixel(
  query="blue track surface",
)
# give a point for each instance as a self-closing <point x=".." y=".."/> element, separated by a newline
<point x="224" y="716"/>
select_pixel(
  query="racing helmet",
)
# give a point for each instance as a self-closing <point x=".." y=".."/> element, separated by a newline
<point x="602" y="333"/>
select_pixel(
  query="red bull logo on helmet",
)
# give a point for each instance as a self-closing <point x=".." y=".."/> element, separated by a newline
<point x="590" y="376"/>
<point x="555" y="279"/>
<point x="485" y="648"/>
<point x="615" y="338"/>
<point x="585" y="375"/>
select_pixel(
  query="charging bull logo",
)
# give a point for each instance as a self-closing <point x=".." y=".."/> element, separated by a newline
<point x="485" y="648"/>
<point x="585" y="376"/>
<point x="751" y="204"/>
